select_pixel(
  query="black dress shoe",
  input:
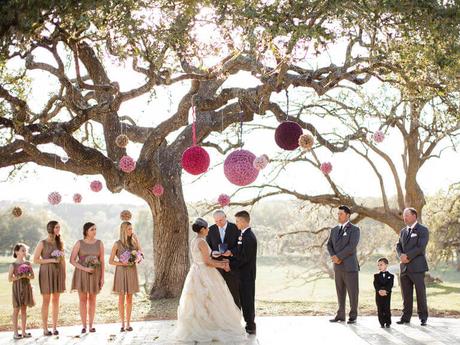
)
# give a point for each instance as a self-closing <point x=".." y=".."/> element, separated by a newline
<point x="387" y="325"/>
<point x="402" y="322"/>
<point x="351" y="321"/>
<point x="423" y="323"/>
<point x="336" y="319"/>
<point x="250" y="331"/>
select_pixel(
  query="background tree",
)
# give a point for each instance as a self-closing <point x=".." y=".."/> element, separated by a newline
<point x="76" y="43"/>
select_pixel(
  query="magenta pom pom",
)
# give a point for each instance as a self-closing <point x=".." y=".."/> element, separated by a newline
<point x="223" y="200"/>
<point x="287" y="135"/>
<point x="77" y="198"/>
<point x="54" y="198"/>
<point x="96" y="186"/>
<point x="261" y="162"/>
<point x="239" y="169"/>
<point x="195" y="160"/>
<point x="378" y="136"/>
<point x="127" y="164"/>
<point x="158" y="190"/>
<point x="326" y="168"/>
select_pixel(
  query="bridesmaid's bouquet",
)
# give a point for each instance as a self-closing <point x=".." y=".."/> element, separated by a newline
<point x="24" y="271"/>
<point x="91" y="261"/>
<point x="131" y="257"/>
<point x="58" y="255"/>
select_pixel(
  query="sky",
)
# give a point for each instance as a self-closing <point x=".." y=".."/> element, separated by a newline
<point x="34" y="183"/>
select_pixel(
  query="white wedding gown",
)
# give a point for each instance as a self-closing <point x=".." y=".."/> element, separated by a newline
<point x="206" y="309"/>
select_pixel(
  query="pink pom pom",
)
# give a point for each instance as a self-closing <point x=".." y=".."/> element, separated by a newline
<point x="261" y="162"/>
<point x="158" y="190"/>
<point x="54" y="198"/>
<point x="378" y="136"/>
<point x="223" y="200"/>
<point x="77" y="198"/>
<point x="239" y="169"/>
<point x="16" y="212"/>
<point x="96" y="186"/>
<point x="195" y="160"/>
<point x="127" y="164"/>
<point x="287" y="135"/>
<point x="326" y="168"/>
<point x="125" y="215"/>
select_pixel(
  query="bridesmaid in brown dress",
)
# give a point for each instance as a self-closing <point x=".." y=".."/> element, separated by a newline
<point x="51" y="276"/>
<point x="88" y="277"/>
<point x="20" y="274"/>
<point x="126" y="281"/>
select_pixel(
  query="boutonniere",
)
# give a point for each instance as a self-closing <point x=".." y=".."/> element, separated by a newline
<point x="240" y="240"/>
<point x="344" y="234"/>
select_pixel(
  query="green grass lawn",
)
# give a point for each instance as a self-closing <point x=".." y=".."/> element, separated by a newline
<point x="277" y="293"/>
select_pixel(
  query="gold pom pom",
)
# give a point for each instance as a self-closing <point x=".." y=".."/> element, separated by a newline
<point x="16" y="212"/>
<point x="122" y="140"/>
<point x="306" y="141"/>
<point x="125" y="215"/>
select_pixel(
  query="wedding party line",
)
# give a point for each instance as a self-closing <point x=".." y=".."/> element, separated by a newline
<point x="219" y="289"/>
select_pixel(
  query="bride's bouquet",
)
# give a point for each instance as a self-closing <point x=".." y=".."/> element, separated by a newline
<point x="131" y="257"/>
<point x="58" y="255"/>
<point x="24" y="271"/>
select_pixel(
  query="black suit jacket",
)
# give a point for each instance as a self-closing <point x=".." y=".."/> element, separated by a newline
<point x="231" y="238"/>
<point x="247" y="256"/>
<point x="414" y="247"/>
<point x="383" y="282"/>
<point x="344" y="246"/>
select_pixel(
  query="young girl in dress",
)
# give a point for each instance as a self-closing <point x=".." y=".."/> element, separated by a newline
<point x="20" y="274"/>
<point x="126" y="281"/>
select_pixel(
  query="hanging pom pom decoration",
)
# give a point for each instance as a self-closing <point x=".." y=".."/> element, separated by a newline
<point x="54" y="198"/>
<point x="122" y="141"/>
<point x="96" y="186"/>
<point x="158" y="190"/>
<point x="125" y="215"/>
<point x="326" y="168"/>
<point x="195" y="160"/>
<point x="306" y="141"/>
<point x="223" y="200"/>
<point x="127" y="164"/>
<point x="378" y="136"/>
<point x="239" y="168"/>
<point x="16" y="212"/>
<point x="287" y="135"/>
<point x="261" y="162"/>
<point x="77" y="198"/>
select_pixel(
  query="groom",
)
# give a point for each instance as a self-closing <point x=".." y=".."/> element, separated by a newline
<point x="342" y="245"/>
<point x="225" y="232"/>
<point x="246" y="256"/>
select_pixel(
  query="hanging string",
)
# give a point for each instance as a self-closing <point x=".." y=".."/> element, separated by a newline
<point x="287" y="104"/>
<point x="241" y="131"/>
<point x="193" y="121"/>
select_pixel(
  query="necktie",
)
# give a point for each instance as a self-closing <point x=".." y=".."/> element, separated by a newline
<point x="341" y="230"/>
<point x="222" y="234"/>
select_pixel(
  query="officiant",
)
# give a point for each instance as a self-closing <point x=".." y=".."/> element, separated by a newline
<point x="223" y="236"/>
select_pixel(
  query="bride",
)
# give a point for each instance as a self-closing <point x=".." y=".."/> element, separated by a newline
<point x="206" y="309"/>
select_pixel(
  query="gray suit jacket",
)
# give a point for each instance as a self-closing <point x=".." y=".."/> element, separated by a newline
<point x="344" y="247"/>
<point x="414" y="247"/>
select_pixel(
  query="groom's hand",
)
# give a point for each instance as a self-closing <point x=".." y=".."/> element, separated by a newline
<point x="336" y="260"/>
<point x="227" y="253"/>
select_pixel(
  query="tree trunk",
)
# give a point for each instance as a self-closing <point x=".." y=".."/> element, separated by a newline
<point x="170" y="239"/>
<point x="458" y="259"/>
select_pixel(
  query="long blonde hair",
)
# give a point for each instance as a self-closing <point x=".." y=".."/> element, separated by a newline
<point x="127" y="241"/>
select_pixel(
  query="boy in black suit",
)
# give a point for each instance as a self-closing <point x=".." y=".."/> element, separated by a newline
<point x="383" y="283"/>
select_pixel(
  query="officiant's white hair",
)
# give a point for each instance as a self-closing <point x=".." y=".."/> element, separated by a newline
<point x="219" y="213"/>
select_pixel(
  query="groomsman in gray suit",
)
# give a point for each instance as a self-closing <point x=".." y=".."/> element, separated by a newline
<point x="342" y="244"/>
<point x="411" y="247"/>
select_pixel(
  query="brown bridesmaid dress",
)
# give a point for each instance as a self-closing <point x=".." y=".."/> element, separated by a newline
<point x="51" y="277"/>
<point x="22" y="290"/>
<point x="126" y="279"/>
<point x="83" y="281"/>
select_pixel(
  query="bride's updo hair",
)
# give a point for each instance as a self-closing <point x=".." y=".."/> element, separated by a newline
<point x="199" y="224"/>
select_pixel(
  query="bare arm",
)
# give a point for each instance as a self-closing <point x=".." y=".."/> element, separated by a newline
<point x="73" y="259"/>
<point x="112" y="257"/>
<point x="139" y="248"/>
<point x="102" y="260"/>
<point x="11" y="276"/>
<point x="38" y="260"/>
<point x="207" y="260"/>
